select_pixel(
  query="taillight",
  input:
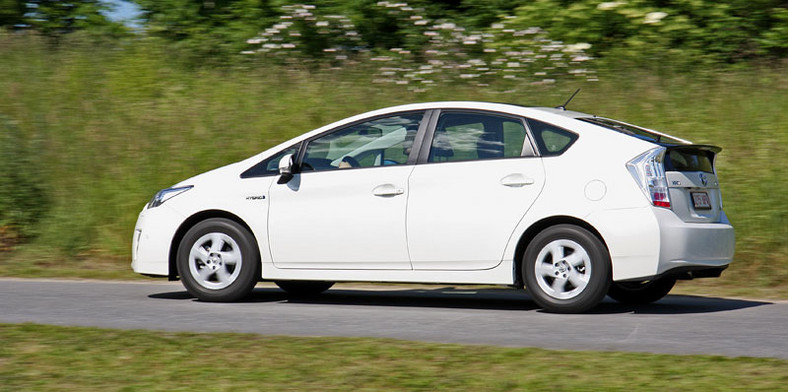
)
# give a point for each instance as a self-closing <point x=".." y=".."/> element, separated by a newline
<point x="649" y="172"/>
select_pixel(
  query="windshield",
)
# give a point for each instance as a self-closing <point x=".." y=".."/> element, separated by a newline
<point x="632" y="130"/>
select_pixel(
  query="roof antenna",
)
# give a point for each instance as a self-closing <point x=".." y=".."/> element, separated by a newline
<point x="563" y="107"/>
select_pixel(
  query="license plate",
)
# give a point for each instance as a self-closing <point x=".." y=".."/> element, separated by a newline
<point x="701" y="200"/>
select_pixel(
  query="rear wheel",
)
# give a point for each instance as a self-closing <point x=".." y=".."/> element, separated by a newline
<point x="638" y="293"/>
<point x="303" y="287"/>
<point x="218" y="261"/>
<point x="566" y="269"/>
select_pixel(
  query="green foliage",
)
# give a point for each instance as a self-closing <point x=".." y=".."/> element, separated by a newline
<point x="653" y="30"/>
<point x="23" y="196"/>
<point x="211" y="31"/>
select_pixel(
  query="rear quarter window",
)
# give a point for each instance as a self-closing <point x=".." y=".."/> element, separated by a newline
<point x="550" y="139"/>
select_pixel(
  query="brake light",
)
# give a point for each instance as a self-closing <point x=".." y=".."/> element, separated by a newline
<point x="648" y="171"/>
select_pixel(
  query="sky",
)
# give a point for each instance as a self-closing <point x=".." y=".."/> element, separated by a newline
<point x="123" y="11"/>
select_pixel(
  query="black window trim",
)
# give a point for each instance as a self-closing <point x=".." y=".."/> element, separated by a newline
<point x="245" y="174"/>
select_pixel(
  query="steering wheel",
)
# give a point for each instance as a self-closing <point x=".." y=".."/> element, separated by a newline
<point x="351" y="161"/>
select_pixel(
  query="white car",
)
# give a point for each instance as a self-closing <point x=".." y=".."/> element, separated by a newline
<point x="569" y="205"/>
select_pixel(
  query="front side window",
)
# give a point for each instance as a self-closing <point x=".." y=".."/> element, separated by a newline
<point x="473" y="136"/>
<point x="380" y="142"/>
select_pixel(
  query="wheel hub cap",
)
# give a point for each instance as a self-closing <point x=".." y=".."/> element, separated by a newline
<point x="215" y="261"/>
<point x="563" y="269"/>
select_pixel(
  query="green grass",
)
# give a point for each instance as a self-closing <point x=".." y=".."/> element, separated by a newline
<point x="49" y="358"/>
<point x="112" y="125"/>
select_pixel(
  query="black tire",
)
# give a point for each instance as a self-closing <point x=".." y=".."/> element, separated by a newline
<point x="578" y="280"/>
<point x="208" y="273"/>
<point x="303" y="287"/>
<point x="640" y="293"/>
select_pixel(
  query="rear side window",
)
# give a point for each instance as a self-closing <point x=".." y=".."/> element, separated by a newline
<point x="685" y="160"/>
<point x="550" y="139"/>
<point x="476" y="136"/>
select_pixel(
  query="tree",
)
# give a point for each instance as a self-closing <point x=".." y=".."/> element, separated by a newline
<point x="12" y="12"/>
<point x="207" y="29"/>
<point x="53" y="18"/>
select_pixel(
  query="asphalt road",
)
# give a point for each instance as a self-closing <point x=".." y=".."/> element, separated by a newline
<point x="676" y="324"/>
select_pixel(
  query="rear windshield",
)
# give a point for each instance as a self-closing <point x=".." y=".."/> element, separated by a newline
<point x="689" y="160"/>
<point x="631" y="130"/>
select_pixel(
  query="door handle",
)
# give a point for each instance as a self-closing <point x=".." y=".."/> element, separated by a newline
<point x="516" y="180"/>
<point x="387" y="190"/>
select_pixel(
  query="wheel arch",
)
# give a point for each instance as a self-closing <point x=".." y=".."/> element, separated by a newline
<point x="188" y="224"/>
<point x="539" y="226"/>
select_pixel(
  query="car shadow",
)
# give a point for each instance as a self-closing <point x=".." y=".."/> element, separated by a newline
<point x="472" y="298"/>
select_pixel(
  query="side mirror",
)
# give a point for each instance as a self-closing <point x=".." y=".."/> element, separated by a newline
<point x="285" y="169"/>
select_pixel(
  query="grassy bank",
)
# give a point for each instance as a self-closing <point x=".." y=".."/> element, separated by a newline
<point x="108" y="126"/>
<point x="48" y="358"/>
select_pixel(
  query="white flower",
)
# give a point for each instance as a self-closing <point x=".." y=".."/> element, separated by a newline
<point x="654" y="17"/>
<point x="577" y="47"/>
<point x="609" y="5"/>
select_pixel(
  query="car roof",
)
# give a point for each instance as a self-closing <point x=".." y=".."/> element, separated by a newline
<point x="495" y="106"/>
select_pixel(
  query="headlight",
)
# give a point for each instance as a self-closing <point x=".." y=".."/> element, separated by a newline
<point x="166" y="194"/>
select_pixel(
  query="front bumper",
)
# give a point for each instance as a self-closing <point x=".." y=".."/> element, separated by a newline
<point x="153" y="234"/>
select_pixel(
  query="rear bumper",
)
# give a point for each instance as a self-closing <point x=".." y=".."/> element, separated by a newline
<point x="700" y="248"/>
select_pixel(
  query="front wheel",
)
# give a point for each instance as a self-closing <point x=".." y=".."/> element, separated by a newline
<point x="218" y="261"/>
<point x="640" y="293"/>
<point x="566" y="269"/>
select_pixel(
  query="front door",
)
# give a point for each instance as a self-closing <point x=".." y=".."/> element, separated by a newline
<point x="346" y="208"/>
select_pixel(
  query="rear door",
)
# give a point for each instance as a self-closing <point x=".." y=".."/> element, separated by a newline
<point x="694" y="189"/>
<point x="473" y="184"/>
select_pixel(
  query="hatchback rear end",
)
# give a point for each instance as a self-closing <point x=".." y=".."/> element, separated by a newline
<point x="680" y="180"/>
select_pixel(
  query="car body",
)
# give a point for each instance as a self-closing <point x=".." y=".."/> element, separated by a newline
<point x="569" y="205"/>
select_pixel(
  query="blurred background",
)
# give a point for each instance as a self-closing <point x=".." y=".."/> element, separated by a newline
<point x="102" y="103"/>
